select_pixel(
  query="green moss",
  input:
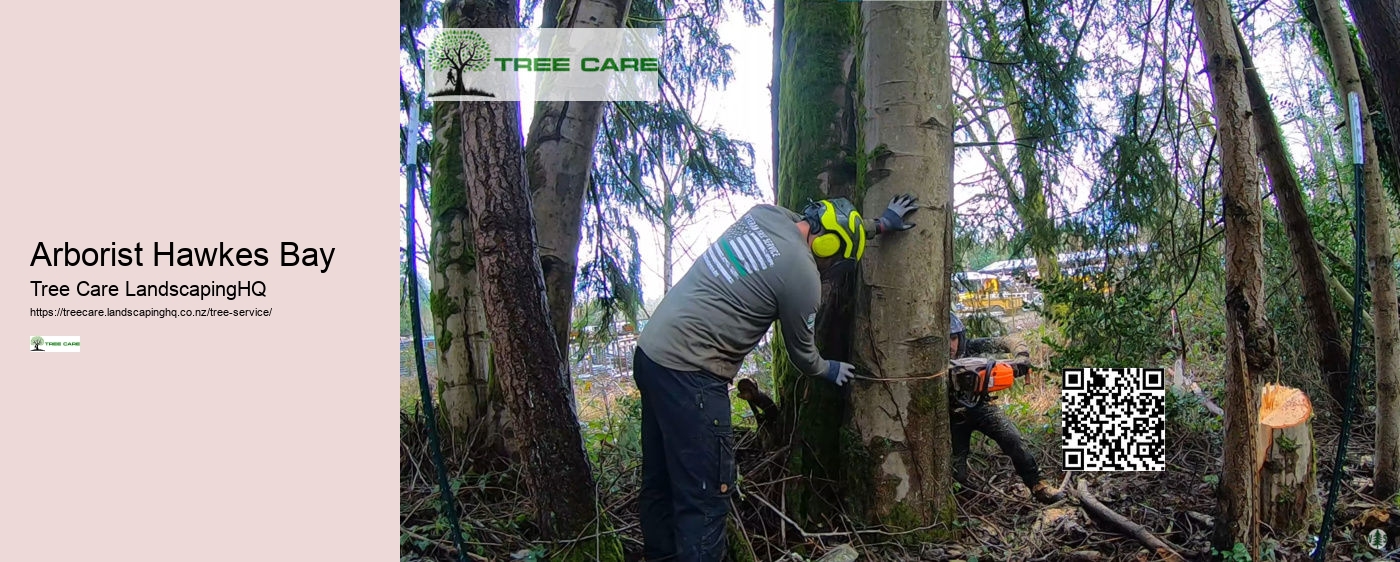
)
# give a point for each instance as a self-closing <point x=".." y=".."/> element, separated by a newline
<point x="442" y="307"/>
<point x="816" y="39"/>
<point x="740" y="549"/>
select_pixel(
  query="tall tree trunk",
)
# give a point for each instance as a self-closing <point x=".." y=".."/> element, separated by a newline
<point x="775" y="86"/>
<point x="471" y="396"/>
<point x="534" y="377"/>
<point x="469" y="390"/>
<point x="1249" y="340"/>
<point x="1380" y="258"/>
<point x="816" y="139"/>
<point x="559" y="157"/>
<point x="1312" y="274"/>
<point x="1379" y="24"/>
<point x="900" y="426"/>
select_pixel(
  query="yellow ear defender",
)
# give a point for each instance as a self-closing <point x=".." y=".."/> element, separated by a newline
<point x="839" y="229"/>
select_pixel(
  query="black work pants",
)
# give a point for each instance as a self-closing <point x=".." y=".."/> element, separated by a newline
<point x="989" y="420"/>
<point x="687" y="462"/>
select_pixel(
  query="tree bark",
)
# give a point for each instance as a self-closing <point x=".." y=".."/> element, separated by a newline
<point x="471" y="397"/>
<point x="1380" y="258"/>
<point x="1288" y="193"/>
<point x="816" y="122"/>
<point x="1288" y="480"/>
<point x="533" y="374"/>
<point x="1378" y="22"/>
<point x="901" y="427"/>
<point x="559" y="157"/>
<point x="1379" y="25"/>
<point x="775" y="86"/>
<point x="1249" y="340"/>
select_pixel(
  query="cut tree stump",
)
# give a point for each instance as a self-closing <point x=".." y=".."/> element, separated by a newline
<point x="1286" y="462"/>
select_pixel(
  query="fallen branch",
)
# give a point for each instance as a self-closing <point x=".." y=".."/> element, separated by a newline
<point x="1102" y="513"/>
<point x="1205" y="400"/>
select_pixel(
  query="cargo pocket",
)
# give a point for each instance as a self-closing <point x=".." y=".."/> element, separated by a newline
<point x="725" y="471"/>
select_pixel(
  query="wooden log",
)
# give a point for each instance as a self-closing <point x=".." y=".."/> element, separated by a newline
<point x="1287" y="461"/>
<point x="1103" y="514"/>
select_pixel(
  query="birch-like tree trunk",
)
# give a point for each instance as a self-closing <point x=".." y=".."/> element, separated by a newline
<point x="1249" y="340"/>
<point x="901" y="425"/>
<point x="1380" y="258"/>
<point x="559" y="157"/>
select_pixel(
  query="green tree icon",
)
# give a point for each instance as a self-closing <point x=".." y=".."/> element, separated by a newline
<point x="36" y="341"/>
<point x="458" y="51"/>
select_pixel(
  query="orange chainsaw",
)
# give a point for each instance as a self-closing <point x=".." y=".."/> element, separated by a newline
<point x="975" y="378"/>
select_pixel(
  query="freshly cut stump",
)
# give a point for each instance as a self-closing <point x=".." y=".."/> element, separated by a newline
<point x="1286" y="462"/>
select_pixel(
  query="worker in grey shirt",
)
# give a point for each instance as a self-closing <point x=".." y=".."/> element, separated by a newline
<point x="765" y="267"/>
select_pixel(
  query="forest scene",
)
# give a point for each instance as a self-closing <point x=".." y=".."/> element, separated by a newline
<point x="1004" y="205"/>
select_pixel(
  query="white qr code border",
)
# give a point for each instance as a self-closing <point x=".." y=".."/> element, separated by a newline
<point x="1113" y="419"/>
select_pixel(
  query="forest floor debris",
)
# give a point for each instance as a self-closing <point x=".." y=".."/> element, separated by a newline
<point x="999" y="520"/>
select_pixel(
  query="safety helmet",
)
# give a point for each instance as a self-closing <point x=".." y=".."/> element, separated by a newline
<point x="956" y="330"/>
<point x="837" y="224"/>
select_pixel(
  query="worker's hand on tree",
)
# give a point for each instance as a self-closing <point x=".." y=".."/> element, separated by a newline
<point x="900" y="207"/>
<point x="838" y="373"/>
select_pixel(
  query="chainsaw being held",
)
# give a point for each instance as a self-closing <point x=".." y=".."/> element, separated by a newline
<point x="974" y="379"/>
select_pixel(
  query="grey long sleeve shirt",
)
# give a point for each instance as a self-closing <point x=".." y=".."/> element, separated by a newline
<point x="759" y="271"/>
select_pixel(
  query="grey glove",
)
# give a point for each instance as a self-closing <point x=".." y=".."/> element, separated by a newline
<point x="838" y="373"/>
<point x="893" y="219"/>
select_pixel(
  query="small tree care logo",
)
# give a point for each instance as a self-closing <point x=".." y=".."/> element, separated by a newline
<point x="459" y="51"/>
<point x="68" y="344"/>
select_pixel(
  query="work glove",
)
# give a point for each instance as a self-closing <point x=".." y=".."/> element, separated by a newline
<point x="893" y="219"/>
<point x="838" y="373"/>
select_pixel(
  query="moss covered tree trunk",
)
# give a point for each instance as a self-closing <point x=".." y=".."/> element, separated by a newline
<point x="559" y="157"/>
<point x="1249" y="340"/>
<point x="1288" y="193"/>
<point x="816" y="144"/>
<point x="898" y="459"/>
<point x="470" y="396"/>
<point x="1380" y="258"/>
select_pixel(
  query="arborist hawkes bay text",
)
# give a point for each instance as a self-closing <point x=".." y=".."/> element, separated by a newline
<point x="291" y="254"/>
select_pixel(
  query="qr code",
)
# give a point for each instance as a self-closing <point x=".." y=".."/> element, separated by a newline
<point x="1114" y="419"/>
